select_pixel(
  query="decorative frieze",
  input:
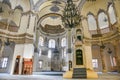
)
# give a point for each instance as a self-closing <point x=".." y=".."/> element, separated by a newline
<point x="53" y="29"/>
<point x="18" y="38"/>
<point x="105" y="39"/>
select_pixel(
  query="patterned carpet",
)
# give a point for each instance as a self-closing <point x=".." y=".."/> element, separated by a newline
<point x="104" y="76"/>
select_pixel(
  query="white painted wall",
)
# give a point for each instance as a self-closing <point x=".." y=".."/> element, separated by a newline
<point x="28" y="51"/>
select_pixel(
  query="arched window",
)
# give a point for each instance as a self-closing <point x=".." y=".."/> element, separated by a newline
<point x="40" y="64"/>
<point x="63" y="42"/>
<point x="92" y="22"/>
<point x="49" y="53"/>
<point x="41" y="41"/>
<point x="51" y="43"/>
<point x="4" y="62"/>
<point x="112" y="14"/>
<point x="40" y="52"/>
<point x="103" y="20"/>
<point x="64" y="53"/>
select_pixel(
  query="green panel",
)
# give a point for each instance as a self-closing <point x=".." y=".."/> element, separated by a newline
<point x="79" y="57"/>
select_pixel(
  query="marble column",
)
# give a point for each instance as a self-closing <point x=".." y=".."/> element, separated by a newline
<point x="102" y="60"/>
<point x="69" y="50"/>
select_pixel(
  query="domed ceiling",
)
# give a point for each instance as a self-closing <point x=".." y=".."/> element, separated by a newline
<point x="47" y="14"/>
<point x="52" y="24"/>
<point x="50" y="12"/>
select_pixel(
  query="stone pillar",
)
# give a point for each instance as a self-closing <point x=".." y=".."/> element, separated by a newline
<point x="116" y="48"/>
<point x="69" y="41"/>
<point x="69" y="50"/>
<point x="88" y="56"/>
<point x="35" y="59"/>
<point x="102" y="60"/>
<point x="18" y="50"/>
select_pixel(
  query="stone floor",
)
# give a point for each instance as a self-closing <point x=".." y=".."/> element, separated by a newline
<point x="105" y="76"/>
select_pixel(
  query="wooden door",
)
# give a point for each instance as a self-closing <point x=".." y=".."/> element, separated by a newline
<point x="17" y="62"/>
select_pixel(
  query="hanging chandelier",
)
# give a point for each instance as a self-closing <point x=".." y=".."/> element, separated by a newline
<point x="71" y="16"/>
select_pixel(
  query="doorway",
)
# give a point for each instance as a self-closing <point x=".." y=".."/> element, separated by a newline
<point x="17" y="63"/>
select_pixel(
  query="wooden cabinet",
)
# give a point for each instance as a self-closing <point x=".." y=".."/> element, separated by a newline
<point x="27" y="66"/>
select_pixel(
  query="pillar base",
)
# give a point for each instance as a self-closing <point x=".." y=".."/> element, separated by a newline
<point x="104" y="71"/>
<point x="90" y="74"/>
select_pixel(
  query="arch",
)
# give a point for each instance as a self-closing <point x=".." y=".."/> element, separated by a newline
<point x="19" y="7"/>
<point x="48" y="15"/>
<point x="7" y="2"/>
<point x="78" y="31"/>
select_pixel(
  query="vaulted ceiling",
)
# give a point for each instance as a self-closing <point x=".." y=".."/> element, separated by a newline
<point x="50" y="11"/>
<point x="43" y="8"/>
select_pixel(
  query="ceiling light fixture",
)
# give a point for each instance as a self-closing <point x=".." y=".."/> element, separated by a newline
<point x="71" y="16"/>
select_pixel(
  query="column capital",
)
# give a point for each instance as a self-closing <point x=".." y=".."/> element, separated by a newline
<point x="115" y="42"/>
<point x="29" y="12"/>
<point x="87" y="43"/>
